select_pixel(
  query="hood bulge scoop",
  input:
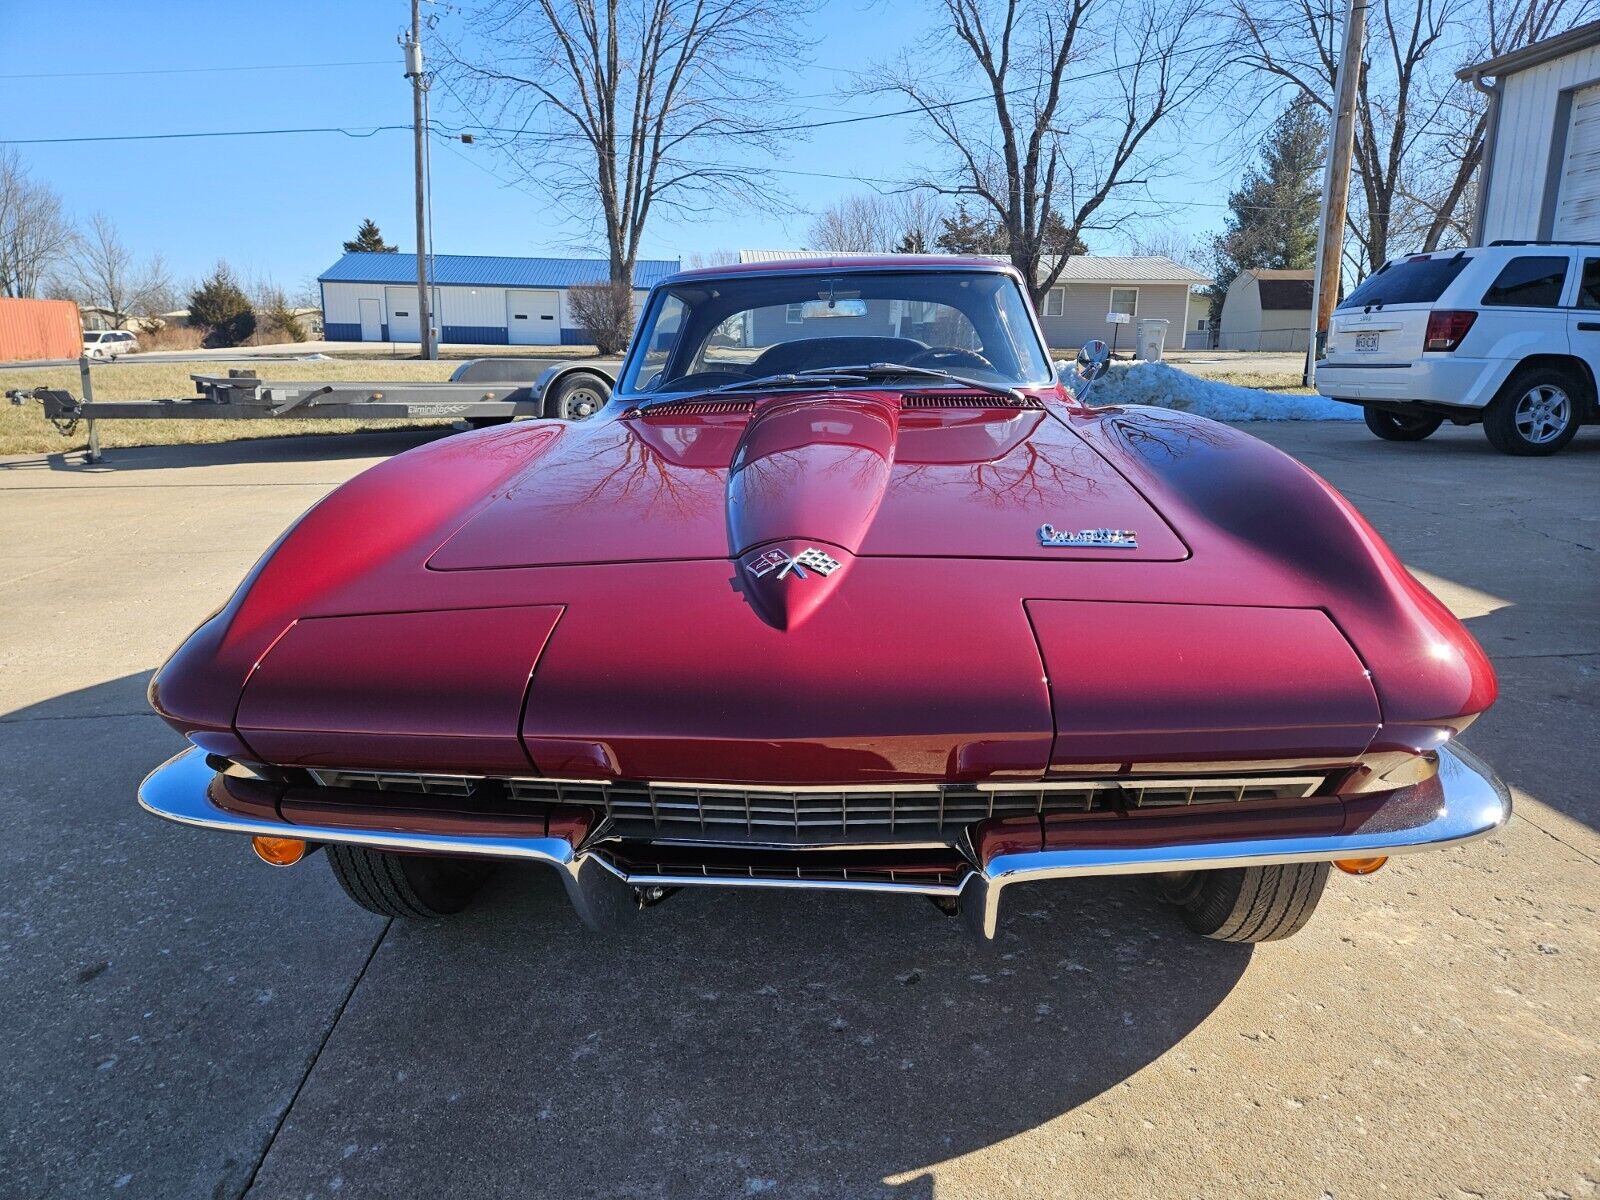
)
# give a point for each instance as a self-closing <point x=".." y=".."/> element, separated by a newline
<point x="849" y="474"/>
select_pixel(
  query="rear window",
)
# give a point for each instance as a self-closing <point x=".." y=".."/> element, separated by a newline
<point x="1532" y="281"/>
<point x="1408" y="281"/>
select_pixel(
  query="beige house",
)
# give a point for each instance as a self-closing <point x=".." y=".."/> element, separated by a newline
<point x="1089" y="288"/>
<point x="1267" y="310"/>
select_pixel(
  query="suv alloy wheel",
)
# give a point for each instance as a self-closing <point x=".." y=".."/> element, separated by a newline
<point x="1536" y="413"/>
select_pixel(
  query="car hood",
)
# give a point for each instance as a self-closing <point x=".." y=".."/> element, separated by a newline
<point x="856" y="475"/>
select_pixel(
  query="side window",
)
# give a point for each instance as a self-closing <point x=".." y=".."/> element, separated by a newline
<point x="1532" y="281"/>
<point x="1589" y="287"/>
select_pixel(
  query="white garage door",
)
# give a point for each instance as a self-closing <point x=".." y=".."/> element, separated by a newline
<point x="403" y="323"/>
<point x="1578" y="209"/>
<point x="533" y="318"/>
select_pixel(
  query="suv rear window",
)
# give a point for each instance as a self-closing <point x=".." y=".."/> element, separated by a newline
<point x="1532" y="281"/>
<point x="1408" y="281"/>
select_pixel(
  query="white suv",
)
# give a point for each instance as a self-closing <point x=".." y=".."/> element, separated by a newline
<point x="1506" y="334"/>
<point x="107" y="343"/>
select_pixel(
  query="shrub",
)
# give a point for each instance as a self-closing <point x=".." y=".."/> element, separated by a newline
<point x="604" y="311"/>
<point x="220" y="307"/>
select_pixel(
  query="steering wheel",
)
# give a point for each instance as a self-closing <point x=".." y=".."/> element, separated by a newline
<point x="945" y="357"/>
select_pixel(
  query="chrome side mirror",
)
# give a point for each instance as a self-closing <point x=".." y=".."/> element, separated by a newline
<point x="1093" y="359"/>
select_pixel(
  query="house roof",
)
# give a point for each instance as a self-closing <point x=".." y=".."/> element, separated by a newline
<point x="1579" y="38"/>
<point x="1080" y="268"/>
<point x="1284" y="290"/>
<point x="456" y="270"/>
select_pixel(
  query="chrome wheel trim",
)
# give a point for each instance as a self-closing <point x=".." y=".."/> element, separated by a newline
<point x="1542" y="414"/>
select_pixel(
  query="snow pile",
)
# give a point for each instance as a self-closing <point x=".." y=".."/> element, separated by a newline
<point x="1166" y="387"/>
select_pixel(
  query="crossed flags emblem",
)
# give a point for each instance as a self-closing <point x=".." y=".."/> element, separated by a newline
<point x="776" y="560"/>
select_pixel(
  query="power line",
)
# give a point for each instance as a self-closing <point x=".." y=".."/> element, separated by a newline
<point x="357" y="132"/>
<point x="368" y="62"/>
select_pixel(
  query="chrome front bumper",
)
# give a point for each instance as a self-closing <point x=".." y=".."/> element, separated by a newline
<point x="1465" y="800"/>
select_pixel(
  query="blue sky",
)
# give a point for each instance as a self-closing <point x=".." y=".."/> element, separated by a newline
<point x="280" y="206"/>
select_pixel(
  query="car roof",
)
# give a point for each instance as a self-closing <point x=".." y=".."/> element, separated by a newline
<point x="847" y="263"/>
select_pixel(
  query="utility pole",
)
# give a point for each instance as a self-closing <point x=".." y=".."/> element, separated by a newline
<point x="413" y="49"/>
<point x="1336" y="180"/>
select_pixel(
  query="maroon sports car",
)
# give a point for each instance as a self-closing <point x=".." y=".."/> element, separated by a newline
<point x="844" y="588"/>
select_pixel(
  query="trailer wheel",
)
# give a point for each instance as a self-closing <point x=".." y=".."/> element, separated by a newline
<point x="578" y="396"/>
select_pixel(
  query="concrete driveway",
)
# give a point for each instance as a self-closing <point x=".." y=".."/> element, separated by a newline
<point x="180" y="1021"/>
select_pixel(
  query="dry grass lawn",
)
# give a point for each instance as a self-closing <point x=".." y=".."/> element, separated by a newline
<point x="24" y="430"/>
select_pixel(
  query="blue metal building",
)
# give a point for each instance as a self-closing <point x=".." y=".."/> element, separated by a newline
<point x="477" y="299"/>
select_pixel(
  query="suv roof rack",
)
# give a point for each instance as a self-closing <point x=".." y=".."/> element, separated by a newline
<point x="1538" y="242"/>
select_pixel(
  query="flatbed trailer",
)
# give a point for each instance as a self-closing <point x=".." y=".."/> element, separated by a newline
<point x="480" y="391"/>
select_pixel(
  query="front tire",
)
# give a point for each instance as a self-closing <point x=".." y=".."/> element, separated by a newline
<point x="1400" y="427"/>
<point x="578" y="396"/>
<point x="1536" y="414"/>
<point x="1250" y="904"/>
<point x="417" y="887"/>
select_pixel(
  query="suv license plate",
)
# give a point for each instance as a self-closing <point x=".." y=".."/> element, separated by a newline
<point x="1366" y="342"/>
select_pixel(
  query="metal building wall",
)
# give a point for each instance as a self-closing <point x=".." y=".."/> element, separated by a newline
<point x="1519" y="200"/>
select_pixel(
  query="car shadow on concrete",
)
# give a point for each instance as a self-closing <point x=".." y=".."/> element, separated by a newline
<point x="726" y="1043"/>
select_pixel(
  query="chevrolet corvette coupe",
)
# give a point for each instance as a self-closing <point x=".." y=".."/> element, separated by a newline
<point x="846" y="587"/>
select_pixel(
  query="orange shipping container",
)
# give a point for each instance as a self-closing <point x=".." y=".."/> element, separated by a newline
<point x="31" y="329"/>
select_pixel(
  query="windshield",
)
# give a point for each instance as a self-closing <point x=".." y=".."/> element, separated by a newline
<point x="704" y="334"/>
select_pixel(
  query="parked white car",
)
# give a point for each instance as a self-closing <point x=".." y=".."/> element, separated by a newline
<point x="1506" y="334"/>
<point x="105" y="343"/>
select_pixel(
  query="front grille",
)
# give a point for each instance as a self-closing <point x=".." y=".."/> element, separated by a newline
<point x="827" y="814"/>
<point x="390" y="781"/>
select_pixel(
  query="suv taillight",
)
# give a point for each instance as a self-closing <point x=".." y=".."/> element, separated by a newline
<point x="1446" y="328"/>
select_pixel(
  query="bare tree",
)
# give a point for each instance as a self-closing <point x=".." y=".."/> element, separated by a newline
<point x="34" y="232"/>
<point x="1070" y="93"/>
<point x="101" y="271"/>
<point x="1419" y="131"/>
<point x="869" y="223"/>
<point x="1167" y="241"/>
<point x="618" y="111"/>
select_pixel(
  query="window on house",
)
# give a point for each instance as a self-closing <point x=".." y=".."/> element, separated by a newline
<point x="794" y="314"/>
<point x="1055" y="302"/>
<point x="1124" y="300"/>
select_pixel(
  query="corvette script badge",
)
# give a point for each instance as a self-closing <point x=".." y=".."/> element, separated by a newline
<point x="1106" y="539"/>
<point x="776" y="560"/>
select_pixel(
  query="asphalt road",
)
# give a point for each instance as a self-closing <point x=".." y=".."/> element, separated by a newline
<point x="177" y="1020"/>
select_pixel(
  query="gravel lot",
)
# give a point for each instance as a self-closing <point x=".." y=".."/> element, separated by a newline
<point x="179" y="1021"/>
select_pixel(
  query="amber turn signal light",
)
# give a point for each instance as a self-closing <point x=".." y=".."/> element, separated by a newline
<point x="1350" y="866"/>
<point x="278" y="852"/>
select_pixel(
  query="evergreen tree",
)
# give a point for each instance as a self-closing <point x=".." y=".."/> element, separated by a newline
<point x="1272" y="222"/>
<point x="963" y="233"/>
<point x="369" y="239"/>
<point x="220" y="307"/>
<point x="912" y="243"/>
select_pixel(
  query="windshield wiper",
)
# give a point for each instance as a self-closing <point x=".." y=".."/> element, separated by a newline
<point x="886" y="370"/>
<point x="804" y="379"/>
<point x="846" y="377"/>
